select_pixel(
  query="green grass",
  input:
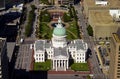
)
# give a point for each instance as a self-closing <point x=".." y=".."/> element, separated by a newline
<point x="44" y="1"/>
<point x="72" y="31"/>
<point x="45" y="31"/>
<point x="42" y="65"/>
<point x="88" y="77"/>
<point x="80" y="67"/>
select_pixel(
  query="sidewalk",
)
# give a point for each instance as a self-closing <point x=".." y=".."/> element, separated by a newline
<point x="68" y="72"/>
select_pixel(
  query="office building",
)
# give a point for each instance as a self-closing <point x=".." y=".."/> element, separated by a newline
<point x="59" y="50"/>
<point x="3" y="59"/>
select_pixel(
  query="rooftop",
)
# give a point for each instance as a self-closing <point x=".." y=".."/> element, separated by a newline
<point x="111" y="3"/>
<point x="116" y="37"/>
<point x="79" y="44"/>
<point x="60" y="51"/>
<point x="39" y="45"/>
<point x="101" y="18"/>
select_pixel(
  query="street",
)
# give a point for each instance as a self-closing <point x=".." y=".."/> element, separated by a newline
<point x="97" y="73"/>
<point x="24" y="57"/>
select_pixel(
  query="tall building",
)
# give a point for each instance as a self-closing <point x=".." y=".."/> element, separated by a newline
<point x="103" y="16"/>
<point x="59" y="50"/>
<point x="11" y="3"/>
<point x="2" y="4"/>
<point x="3" y="59"/>
<point x="114" y="72"/>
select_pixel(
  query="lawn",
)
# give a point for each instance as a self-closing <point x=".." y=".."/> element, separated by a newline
<point x="44" y="1"/>
<point x="80" y="67"/>
<point x="45" y="31"/>
<point x="72" y="31"/>
<point x="42" y="65"/>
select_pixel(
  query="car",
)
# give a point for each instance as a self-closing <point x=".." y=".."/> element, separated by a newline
<point x="76" y="75"/>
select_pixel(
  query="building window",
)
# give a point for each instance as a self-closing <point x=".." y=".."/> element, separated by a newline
<point x="118" y="67"/>
<point x="39" y="55"/>
<point x="36" y="55"/>
<point x="39" y="58"/>
<point x="83" y="54"/>
<point x="119" y="48"/>
<point x="118" y="73"/>
<point x="36" y="58"/>
<point x="118" y="64"/>
<point x="118" y="76"/>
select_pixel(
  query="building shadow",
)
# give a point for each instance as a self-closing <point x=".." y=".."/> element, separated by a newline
<point x="88" y="53"/>
<point x="23" y="74"/>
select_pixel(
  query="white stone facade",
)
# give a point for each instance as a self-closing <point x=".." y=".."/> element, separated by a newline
<point x="61" y="62"/>
<point x="59" y="50"/>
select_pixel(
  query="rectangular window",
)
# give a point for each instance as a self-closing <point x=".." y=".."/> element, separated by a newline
<point x="118" y="73"/>
<point x="118" y="67"/>
<point x="118" y="76"/>
<point x="119" y="48"/>
<point x="83" y="54"/>
<point x="36" y="58"/>
<point x="118" y="64"/>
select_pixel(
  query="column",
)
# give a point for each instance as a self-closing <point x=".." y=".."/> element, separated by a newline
<point x="53" y="64"/>
<point x="56" y="65"/>
<point x="64" y="65"/>
<point x="67" y="63"/>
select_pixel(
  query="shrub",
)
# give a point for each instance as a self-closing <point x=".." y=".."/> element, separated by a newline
<point x="90" y="30"/>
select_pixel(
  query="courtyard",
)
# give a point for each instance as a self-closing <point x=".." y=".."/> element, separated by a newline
<point x="49" y="17"/>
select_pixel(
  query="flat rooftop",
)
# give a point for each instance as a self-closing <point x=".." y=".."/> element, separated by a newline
<point x="101" y="17"/>
<point x="111" y="3"/>
<point x="116" y="37"/>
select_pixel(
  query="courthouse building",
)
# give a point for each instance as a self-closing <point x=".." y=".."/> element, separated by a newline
<point x="59" y="50"/>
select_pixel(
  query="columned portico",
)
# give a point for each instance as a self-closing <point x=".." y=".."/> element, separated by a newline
<point x="60" y="65"/>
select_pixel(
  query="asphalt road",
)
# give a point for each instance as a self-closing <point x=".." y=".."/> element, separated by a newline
<point x="24" y="57"/>
<point x="66" y="76"/>
<point x="97" y="73"/>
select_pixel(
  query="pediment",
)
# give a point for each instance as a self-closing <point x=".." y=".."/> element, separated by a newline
<point x="61" y="57"/>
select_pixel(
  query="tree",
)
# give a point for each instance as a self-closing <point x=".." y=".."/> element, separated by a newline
<point x="66" y="17"/>
<point x="90" y="30"/>
<point x="45" y="16"/>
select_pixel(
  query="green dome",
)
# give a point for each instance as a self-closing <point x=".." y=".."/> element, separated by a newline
<point x="59" y="31"/>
